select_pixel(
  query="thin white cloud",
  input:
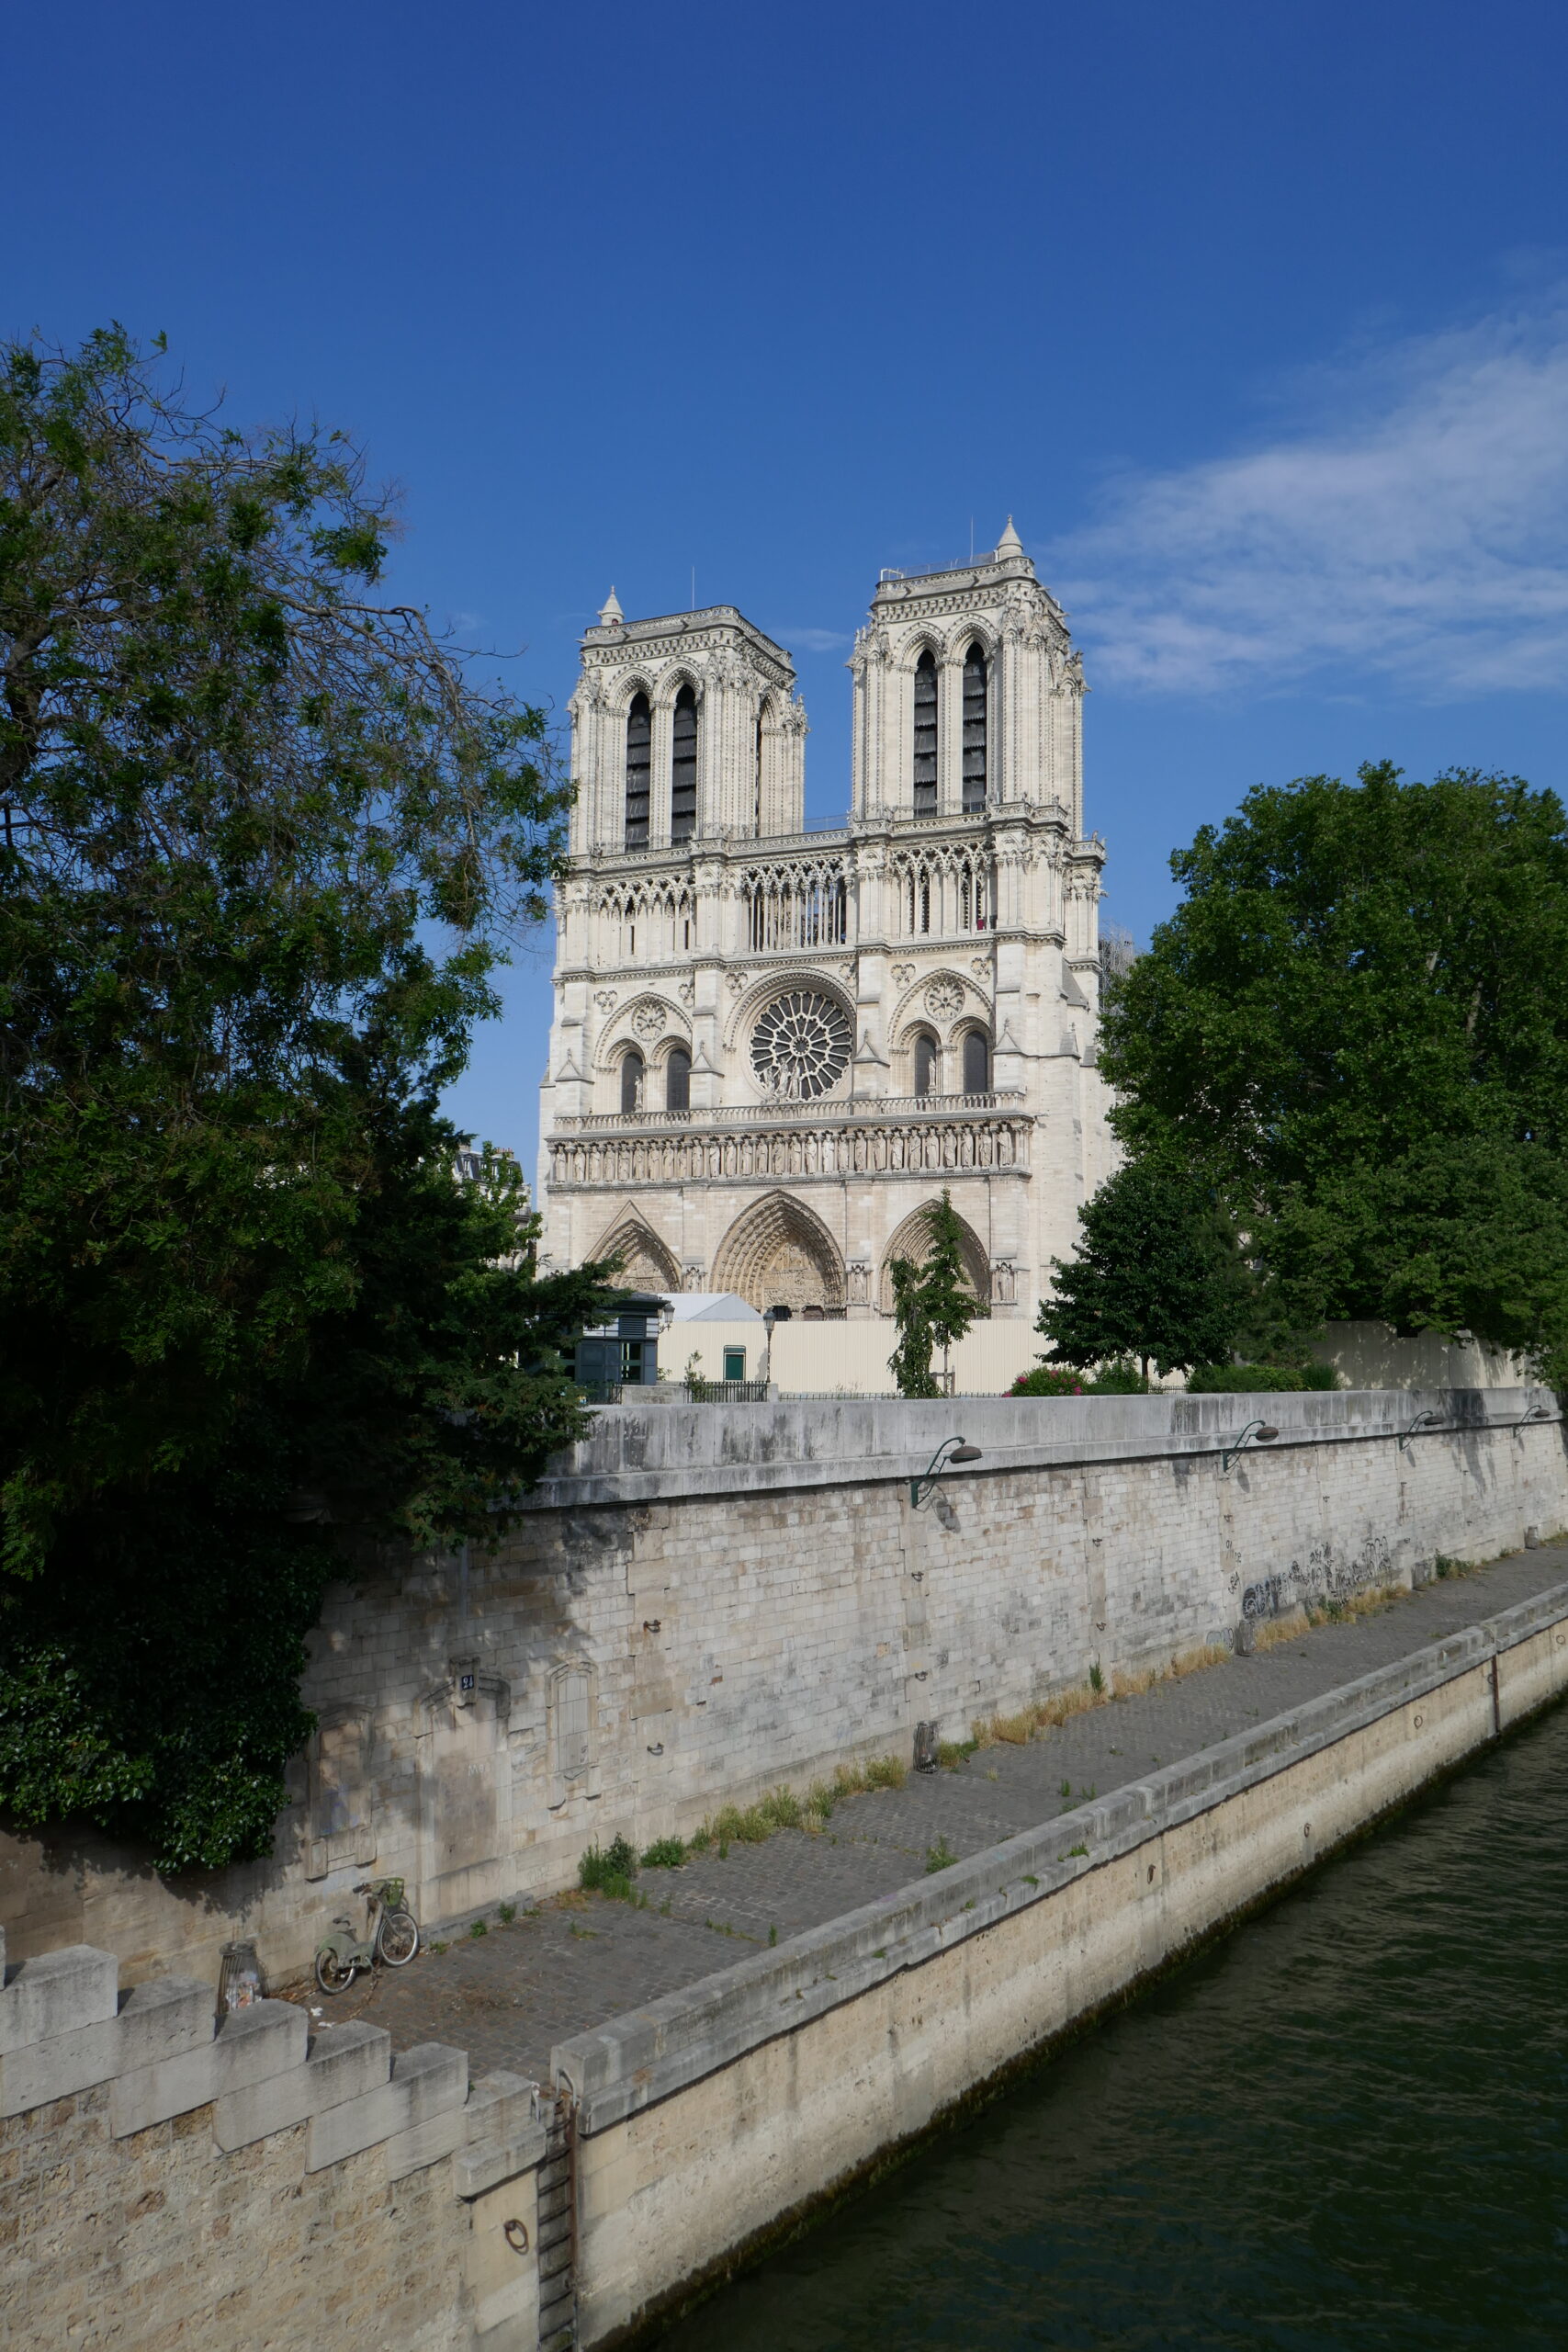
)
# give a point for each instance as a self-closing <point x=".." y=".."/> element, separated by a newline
<point x="1417" y="534"/>
<point x="815" y="640"/>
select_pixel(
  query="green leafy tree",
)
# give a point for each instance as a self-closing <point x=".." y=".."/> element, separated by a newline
<point x="251" y="1321"/>
<point x="933" y="1302"/>
<point x="1356" y="1028"/>
<point x="1157" y="1277"/>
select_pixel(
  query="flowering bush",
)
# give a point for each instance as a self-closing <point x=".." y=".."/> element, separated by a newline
<point x="1048" y="1380"/>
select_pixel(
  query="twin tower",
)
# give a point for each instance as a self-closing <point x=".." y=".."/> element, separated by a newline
<point x="773" y="1048"/>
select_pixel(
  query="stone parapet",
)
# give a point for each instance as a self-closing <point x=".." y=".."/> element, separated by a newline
<point x="146" y="2106"/>
<point x="631" y="1456"/>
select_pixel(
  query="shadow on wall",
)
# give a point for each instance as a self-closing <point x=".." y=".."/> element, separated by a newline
<point x="1369" y="1355"/>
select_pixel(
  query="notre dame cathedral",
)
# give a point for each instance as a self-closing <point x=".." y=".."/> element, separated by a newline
<point x="774" y="1046"/>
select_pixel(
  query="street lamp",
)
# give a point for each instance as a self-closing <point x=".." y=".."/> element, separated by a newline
<point x="1423" y="1422"/>
<point x="769" y="1317"/>
<point x="921" y="1489"/>
<point x="1262" y="1432"/>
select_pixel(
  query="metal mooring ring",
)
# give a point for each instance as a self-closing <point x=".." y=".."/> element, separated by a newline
<point x="516" y="2236"/>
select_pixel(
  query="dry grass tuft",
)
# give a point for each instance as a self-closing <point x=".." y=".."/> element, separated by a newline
<point x="1045" y="1714"/>
<point x="733" y="1824"/>
<point x="1273" y="1633"/>
<point x="1194" y="1661"/>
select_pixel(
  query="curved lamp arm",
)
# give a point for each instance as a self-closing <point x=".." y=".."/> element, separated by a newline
<point x="1263" y="1431"/>
<point x="923" y="1488"/>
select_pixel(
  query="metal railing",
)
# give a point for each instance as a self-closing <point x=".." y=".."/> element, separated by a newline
<point x="727" y="1392"/>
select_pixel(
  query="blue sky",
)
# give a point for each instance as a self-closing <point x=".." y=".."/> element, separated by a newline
<point x="1255" y="316"/>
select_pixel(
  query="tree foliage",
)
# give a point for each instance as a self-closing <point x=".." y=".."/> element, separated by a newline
<point x="1157" y="1277"/>
<point x="1355" y="1028"/>
<point x="245" y="1304"/>
<point x="934" y="1301"/>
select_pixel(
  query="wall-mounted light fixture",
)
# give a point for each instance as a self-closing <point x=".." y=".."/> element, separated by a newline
<point x="921" y="1489"/>
<point x="1536" y="1413"/>
<point x="1423" y="1422"/>
<point x="1259" y="1433"/>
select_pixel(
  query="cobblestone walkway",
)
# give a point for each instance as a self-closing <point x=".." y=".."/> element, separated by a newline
<point x="579" y="1961"/>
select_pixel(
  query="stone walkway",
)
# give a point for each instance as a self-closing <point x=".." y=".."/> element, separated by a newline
<point x="577" y="1960"/>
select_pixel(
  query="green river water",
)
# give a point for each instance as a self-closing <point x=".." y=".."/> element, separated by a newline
<point x="1346" y="2126"/>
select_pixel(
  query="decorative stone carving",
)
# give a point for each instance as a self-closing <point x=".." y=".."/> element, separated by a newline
<point x="649" y="1020"/>
<point x="902" y="975"/>
<point x="1003" y="1282"/>
<point x="943" y="998"/>
<point x="980" y="967"/>
<point x="857" y="1283"/>
<point x="801" y="1045"/>
<point x="605" y="1000"/>
<point x="688" y="992"/>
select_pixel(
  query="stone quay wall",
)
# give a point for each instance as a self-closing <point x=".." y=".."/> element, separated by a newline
<point x="708" y="2119"/>
<point x="705" y="1601"/>
<point x="250" y="2183"/>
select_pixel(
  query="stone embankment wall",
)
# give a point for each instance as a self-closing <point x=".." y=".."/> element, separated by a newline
<point x="706" y="2118"/>
<point x="253" y="2187"/>
<point x="703" y="1601"/>
<point x="165" y="2179"/>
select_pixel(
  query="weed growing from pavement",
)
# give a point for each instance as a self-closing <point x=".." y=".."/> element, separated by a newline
<point x="939" y="1856"/>
<point x="608" y="1870"/>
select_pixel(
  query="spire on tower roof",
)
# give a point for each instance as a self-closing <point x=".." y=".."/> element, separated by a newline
<point x="610" y="611"/>
<point x="1009" y="543"/>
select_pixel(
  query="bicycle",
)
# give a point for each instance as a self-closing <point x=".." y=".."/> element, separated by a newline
<point x="391" y="1934"/>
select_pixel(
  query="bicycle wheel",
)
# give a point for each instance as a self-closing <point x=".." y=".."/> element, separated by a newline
<point x="400" y="1937"/>
<point x="333" y="1975"/>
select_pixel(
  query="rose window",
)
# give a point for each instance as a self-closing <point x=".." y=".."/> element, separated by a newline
<point x="801" y="1045"/>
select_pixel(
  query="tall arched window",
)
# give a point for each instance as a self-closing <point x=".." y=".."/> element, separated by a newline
<point x="757" y="781"/>
<point x="925" y="1065"/>
<point x="631" y="1084"/>
<point x="925" y="736"/>
<point x="678" y="1081"/>
<point x="976" y="1062"/>
<point x="974" y="731"/>
<point x="683" y="768"/>
<point x="639" y="755"/>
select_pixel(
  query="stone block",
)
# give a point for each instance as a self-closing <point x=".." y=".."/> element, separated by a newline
<point x="427" y="2081"/>
<point x="41" y="2071"/>
<point x="426" y="2143"/>
<point x="58" y="1994"/>
<point x="501" y="2105"/>
<point x="345" y="2062"/>
<point x="266" y="2039"/>
<point x="477" y="2170"/>
<point x="162" y="2018"/>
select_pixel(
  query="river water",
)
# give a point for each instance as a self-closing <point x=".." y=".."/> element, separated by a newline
<point x="1346" y="2126"/>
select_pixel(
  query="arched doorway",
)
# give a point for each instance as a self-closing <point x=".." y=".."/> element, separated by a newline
<point x="779" y="1255"/>
<point x="912" y="1241"/>
<point x="646" y="1263"/>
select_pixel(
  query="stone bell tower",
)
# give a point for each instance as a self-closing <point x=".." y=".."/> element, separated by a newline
<point x="773" y="1048"/>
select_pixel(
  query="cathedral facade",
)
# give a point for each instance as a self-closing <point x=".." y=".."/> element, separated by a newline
<point x="773" y="1047"/>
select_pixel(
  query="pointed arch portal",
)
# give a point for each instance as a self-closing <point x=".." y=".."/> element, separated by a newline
<point x="646" y="1263"/>
<point x="912" y="1241"/>
<point x="779" y="1255"/>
